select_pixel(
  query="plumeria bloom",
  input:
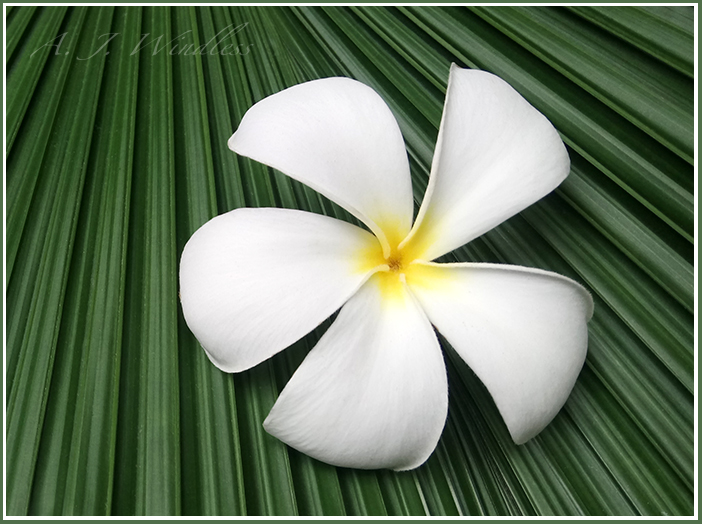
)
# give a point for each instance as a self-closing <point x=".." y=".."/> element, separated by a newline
<point x="373" y="392"/>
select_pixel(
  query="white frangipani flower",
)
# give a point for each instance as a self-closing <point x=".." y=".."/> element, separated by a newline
<point x="373" y="392"/>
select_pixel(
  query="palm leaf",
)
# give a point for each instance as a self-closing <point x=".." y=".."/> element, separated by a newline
<point x="115" y="159"/>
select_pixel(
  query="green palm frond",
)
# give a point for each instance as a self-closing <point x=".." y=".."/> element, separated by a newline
<point x="115" y="159"/>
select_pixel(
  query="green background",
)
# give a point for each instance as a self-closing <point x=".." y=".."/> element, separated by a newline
<point x="115" y="159"/>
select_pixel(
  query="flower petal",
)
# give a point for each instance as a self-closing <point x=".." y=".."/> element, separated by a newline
<point x="495" y="155"/>
<point x="522" y="331"/>
<point x="373" y="392"/>
<point x="253" y="281"/>
<point x="339" y="137"/>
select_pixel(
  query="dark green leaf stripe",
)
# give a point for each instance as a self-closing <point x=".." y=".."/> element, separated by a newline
<point x="208" y="400"/>
<point x="25" y="159"/>
<point x="147" y="469"/>
<point x="17" y="21"/>
<point x="115" y="155"/>
<point x="36" y="321"/>
<point x="640" y="88"/>
<point x="76" y="455"/>
<point x="664" y="32"/>
<point x="23" y="72"/>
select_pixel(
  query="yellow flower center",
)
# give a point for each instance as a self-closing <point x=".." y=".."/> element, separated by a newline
<point x="391" y="270"/>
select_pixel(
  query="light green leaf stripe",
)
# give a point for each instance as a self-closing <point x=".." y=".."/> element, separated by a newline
<point x="115" y="155"/>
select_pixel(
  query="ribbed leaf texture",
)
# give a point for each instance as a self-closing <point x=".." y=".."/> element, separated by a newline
<point x="116" y="139"/>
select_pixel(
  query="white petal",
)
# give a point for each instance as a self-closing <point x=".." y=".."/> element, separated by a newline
<point x="253" y="281"/>
<point x="372" y="393"/>
<point x="495" y="155"/>
<point x="522" y="331"/>
<point x="339" y="137"/>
